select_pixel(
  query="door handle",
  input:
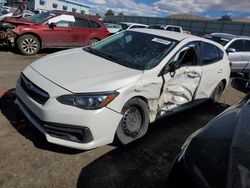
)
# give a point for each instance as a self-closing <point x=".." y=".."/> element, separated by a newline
<point x="193" y="75"/>
<point x="220" y="71"/>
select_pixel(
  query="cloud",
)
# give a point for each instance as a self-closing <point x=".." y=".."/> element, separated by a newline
<point x="166" y="7"/>
<point x="99" y="2"/>
<point x="201" y="6"/>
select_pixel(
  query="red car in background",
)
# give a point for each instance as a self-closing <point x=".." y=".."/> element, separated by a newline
<point x="51" y="30"/>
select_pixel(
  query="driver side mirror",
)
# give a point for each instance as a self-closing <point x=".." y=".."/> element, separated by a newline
<point x="174" y="65"/>
<point x="52" y="25"/>
<point x="241" y="84"/>
<point x="170" y="68"/>
<point x="230" y="50"/>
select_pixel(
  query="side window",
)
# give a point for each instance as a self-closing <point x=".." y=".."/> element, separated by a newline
<point x="238" y="45"/>
<point x="81" y="22"/>
<point x="247" y="46"/>
<point x="176" y="29"/>
<point x="62" y="24"/>
<point x="187" y="56"/>
<point x="94" y="24"/>
<point x="211" y="53"/>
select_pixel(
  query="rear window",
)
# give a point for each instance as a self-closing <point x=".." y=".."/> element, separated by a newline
<point x="176" y="29"/>
<point x="155" y="27"/>
<point x="211" y="53"/>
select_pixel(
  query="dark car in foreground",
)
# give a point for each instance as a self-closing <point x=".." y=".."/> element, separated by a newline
<point x="51" y="30"/>
<point x="218" y="155"/>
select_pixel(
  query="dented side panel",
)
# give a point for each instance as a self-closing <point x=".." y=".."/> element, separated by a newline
<point x="181" y="88"/>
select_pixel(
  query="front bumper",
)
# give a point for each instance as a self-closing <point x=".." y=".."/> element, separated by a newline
<point x="98" y="127"/>
<point x="7" y="38"/>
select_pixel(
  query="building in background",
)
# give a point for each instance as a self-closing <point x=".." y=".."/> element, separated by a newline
<point x="65" y="5"/>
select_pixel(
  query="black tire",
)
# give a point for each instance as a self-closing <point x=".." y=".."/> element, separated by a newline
<point x="135" y="121"/>
<point x="93" y="41"/>
<point x="28" y="44"/>
<point x="217" y="92"/>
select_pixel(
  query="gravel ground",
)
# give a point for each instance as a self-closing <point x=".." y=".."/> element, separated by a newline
<point x="27" y="160"/>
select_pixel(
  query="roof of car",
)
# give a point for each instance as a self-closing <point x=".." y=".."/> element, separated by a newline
<point x="228" y="36"/>
<point x="163" y="33"/>
<point x="72" y="13"/>
<point x="164" y="25"/>
<point x="224" y="35"/>
<point x="131" y="23"/>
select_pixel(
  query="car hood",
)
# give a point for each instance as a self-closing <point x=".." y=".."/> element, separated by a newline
<point x="79" y="71"/>
<point x="17" y="21"/>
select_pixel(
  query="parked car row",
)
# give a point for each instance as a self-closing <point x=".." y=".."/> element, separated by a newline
<point x="120" y="26"/>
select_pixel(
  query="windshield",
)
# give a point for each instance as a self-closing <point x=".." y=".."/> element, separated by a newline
<point x="40" y="17"/>
<point x="135" y="50"/>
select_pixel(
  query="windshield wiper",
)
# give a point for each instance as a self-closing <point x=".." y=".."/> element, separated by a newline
<point x="102" y="54"/>
<point x="112" y="58"/>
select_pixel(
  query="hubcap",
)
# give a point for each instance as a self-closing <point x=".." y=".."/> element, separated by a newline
<point x="132" y="121"/>
<point x="29" y="45"/>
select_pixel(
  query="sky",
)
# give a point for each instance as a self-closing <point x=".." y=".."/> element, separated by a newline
<point x="162" y="8"/>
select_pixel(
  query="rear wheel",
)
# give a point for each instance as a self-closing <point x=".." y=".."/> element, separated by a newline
<point x="135" y="121"/>
<point x="28" y="45"/>
<point x="217" y="92"/>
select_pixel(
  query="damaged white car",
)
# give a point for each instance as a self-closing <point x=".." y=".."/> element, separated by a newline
<point x="85" y="97"/>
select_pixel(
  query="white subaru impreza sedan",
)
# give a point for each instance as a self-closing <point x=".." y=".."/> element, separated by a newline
<point x="85" y="97"/>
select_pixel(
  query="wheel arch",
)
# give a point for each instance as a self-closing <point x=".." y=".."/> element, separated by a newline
<point x="31" y="33"/>
<point x="224" y="81"/>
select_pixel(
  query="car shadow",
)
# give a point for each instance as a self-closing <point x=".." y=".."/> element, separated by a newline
<point x="17" y="119"/>
<point x="147" y="162"/>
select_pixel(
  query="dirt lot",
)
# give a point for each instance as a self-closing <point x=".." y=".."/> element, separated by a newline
<point x="27" y="160"/>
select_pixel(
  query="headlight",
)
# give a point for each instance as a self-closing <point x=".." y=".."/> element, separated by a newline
<point x="88" y="101"/>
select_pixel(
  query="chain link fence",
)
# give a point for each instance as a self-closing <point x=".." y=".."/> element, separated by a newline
<point x="196" y="27"/>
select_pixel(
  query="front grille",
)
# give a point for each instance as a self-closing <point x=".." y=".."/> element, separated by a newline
<point x="72" y="133"/>
<point x="33" y="90"/>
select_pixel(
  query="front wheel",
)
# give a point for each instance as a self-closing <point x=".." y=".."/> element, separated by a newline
<point x="28" y="45"/>
<point x="135" y="121"/>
